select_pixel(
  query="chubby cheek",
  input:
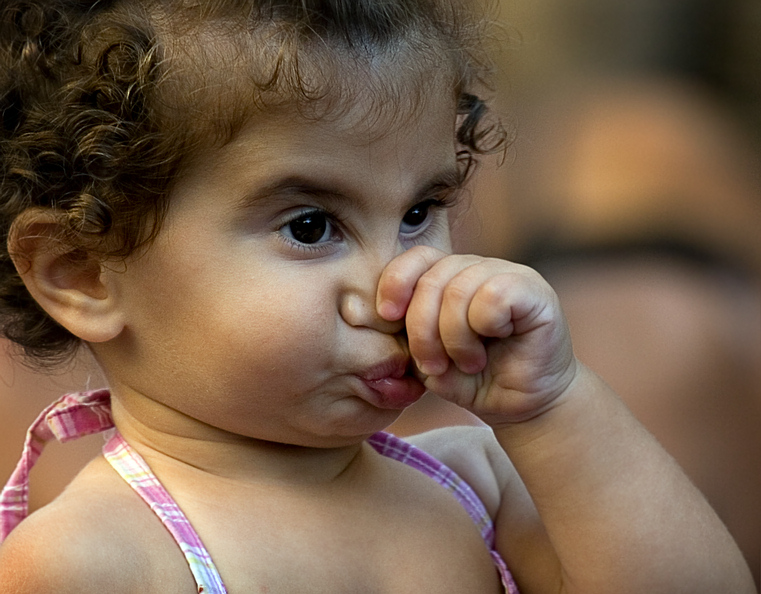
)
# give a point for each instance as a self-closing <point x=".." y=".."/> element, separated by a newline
<point x="269" y="333"/>
<point x="246" y="385"/>
<point x="274" y="342"/>
<point x="202" y="352"/>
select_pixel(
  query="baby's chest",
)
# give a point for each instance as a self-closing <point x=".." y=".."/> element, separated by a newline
<point x="387" y="560"/>
<point x="428" y="545"/>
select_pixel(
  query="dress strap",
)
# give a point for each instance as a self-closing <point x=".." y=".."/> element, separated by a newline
<point x="135" y="471"/>
<point x="395" y="448"/>
<point x="69" y="417"/>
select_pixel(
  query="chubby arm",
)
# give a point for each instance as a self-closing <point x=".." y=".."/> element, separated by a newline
<point x="615" y="513"/>
<point x="618" y="510"/>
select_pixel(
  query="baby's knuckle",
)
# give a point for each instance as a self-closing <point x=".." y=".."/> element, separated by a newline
<point x="457" y="290"/>
<point x="421" y="339"/>
<point x="532" y="275"/>
<point x="429" y="283"/>
<point x="493" y="293"/>
<point x="394" y="276"/>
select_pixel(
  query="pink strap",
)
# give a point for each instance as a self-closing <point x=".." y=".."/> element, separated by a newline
<point x="137" y="474"/>
<point x="72" y="416"/>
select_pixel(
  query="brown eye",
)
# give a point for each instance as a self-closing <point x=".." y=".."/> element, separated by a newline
<point x="416" y="217"/>
<point x="309" y="228"/>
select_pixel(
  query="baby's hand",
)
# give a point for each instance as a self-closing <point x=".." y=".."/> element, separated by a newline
<point x="486" y="334"/>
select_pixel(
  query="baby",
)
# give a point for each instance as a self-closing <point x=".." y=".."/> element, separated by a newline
<point x="239" y="207"/>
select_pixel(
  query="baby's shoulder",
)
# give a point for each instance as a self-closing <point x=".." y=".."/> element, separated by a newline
<point x="57" y="551"/>
<point x="475" y="455"/>
<point x="95" y="537"/>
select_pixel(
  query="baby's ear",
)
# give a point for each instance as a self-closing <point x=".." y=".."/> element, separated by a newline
<point x="68" y="283"/>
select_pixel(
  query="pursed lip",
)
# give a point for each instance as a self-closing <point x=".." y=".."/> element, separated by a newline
<point x="394" y="367"/>
<point x="392" y="384"/>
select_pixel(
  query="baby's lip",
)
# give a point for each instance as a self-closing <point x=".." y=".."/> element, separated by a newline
<point x="394" y="393"/>
<point x="393" y="368"/>
<point x="392" y="383"/>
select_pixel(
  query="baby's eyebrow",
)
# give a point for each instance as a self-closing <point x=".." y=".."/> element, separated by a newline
<point x="286" y="188"/>
<point x="447" y="179"/>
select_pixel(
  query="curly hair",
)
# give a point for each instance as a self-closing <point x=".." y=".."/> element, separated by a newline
<point x="96" y="96"/>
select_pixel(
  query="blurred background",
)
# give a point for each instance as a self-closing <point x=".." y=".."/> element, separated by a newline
<point x="634" y="185"/>
<point x="24" y="393"/>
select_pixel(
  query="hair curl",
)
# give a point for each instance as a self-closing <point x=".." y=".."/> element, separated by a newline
<point x="95" y="96"/>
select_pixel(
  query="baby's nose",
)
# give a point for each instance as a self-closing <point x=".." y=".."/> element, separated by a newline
<point x="359" y="310"/>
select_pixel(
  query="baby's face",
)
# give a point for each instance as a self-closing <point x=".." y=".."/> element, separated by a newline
<point x="255" y="309"/>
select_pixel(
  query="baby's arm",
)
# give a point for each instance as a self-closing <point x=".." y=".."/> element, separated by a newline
<point x="617" y="514"/>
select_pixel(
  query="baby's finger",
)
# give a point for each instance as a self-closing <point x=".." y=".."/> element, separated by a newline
<point x="397" y="282"/>
<point x="461" y="341"/>
<point x="424" y="314"/>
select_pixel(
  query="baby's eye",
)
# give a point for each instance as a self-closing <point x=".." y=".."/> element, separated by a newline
<point x="309" y="228"/>
<point x="416" y="217"/>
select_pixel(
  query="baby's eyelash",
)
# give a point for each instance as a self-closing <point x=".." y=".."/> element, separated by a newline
<point x="445" y="197"/>
<point x="308" y="210"/>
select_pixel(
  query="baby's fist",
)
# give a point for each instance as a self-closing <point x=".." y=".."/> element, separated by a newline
<point x="485" y="333"/>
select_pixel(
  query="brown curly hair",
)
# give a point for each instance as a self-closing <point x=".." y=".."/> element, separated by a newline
<point x="103" y="101"/>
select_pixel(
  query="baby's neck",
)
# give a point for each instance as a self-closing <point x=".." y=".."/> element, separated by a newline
<point x="211" y="454"/>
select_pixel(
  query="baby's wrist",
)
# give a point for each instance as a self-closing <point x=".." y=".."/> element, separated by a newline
<point x="516" y="407"/>
<point x="563" y="422"/>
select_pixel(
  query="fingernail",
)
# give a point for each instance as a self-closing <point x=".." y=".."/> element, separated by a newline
<point x="388" y="310"/>
<point x="471" y="368"/>
<point x="431" y="367"/>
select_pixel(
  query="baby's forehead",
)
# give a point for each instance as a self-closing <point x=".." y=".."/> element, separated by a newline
<point x="360" y="124"/>
<point x="374" y="104"/>
<point x="221" y="85"/>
